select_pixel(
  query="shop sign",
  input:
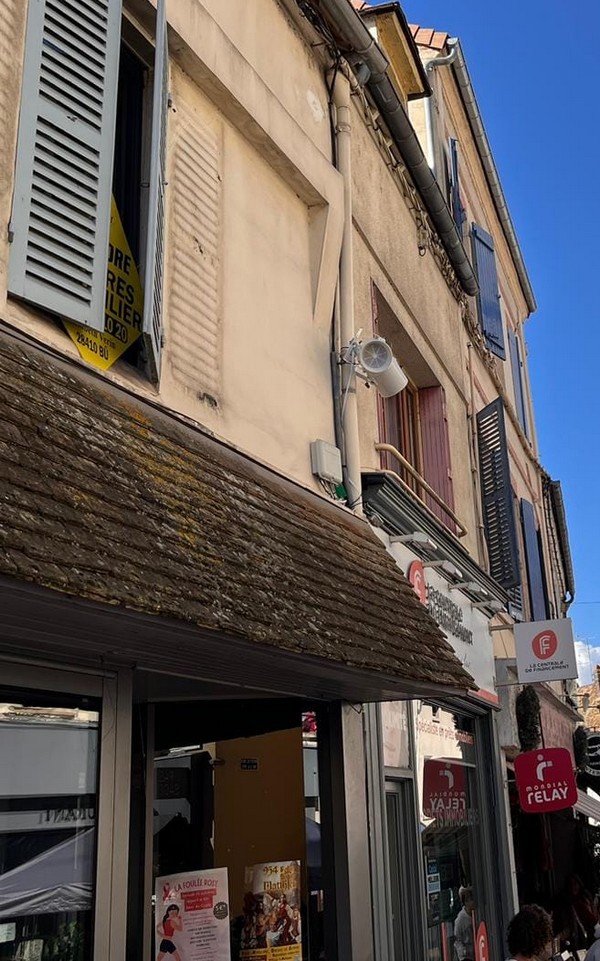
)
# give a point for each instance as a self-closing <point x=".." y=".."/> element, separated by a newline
<point x="545" y="651"/>
<point x="123" y="307"/>
<point x="482" y="948"/>
<point x="466" y="628"/>
<point x="272" y="928"/>
<point x="444" y="791"/>
<point x="192" y="916"/>
<point x="545" y="780"/>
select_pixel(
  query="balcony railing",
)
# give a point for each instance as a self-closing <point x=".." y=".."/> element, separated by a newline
<point x="422" y="488"/>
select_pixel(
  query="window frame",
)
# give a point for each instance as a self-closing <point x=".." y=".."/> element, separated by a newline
<point x="113" y="689"/>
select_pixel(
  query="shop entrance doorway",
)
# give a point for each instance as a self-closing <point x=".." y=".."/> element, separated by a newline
<point x="225" y="795"/>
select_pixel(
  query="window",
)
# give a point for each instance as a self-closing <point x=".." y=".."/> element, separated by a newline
<point x="400" y="421"/>
<point x="74" y="94"/>
<point x="415" y="423"/>
<point x="536" y="576"/>
<point x="458" y="888"/>
<point x="496" y="495"/>
<point x="48" y="804"/>
<point x="488" y="298"/>
<point x="517" y="366"/>
<point x="456" y="206"/>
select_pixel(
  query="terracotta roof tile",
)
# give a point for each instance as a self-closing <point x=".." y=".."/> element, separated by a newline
<point x="426" y="37"/>
<point x="108" y="499"/>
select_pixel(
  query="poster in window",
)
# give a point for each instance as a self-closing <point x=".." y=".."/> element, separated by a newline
<point x="272" y="923"/>
<point x="192" y="916"/>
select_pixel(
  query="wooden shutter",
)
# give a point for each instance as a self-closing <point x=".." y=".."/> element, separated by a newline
<point x="488" y="298"/>
<point x="61" y="208"/>
<point x="535" y="565"/>
<point x="458" y="211"/>
<point x="154" y="264"/>
<point x="436" y="449"/>
<point x="515" y="363"/>
<point x="496" y="494"/>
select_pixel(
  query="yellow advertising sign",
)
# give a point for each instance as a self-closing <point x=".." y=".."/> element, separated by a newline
<point x="123" y="307"/>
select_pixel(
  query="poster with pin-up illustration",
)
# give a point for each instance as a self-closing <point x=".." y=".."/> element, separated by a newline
<point x="192" y="916"/>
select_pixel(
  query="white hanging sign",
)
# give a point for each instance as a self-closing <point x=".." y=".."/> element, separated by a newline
<point x="545" y="651"/>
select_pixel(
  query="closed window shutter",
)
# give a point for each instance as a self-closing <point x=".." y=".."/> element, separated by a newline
<point x="436" y="449"/>
<point x="535" y="569"/>
<point x="154" y="263"/>
<point x="458" y="211"/>
<point x="496" y="495"/>
<point x="488" y="298"/>
<point x="515" y="363"/>
<point x="61" y="208"/>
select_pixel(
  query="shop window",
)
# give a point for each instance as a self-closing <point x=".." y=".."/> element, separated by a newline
<point x="49" y="752"/>
<point x="451" y="817"/>
<point x="74" y="96"/>
<point x="235" y="825"/>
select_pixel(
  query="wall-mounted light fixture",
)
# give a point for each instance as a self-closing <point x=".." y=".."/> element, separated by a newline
<point x="446" y="567"/>
<point x="493" y="605"/>
<point x="417" y="538"/>
<point x="471" y="586"/>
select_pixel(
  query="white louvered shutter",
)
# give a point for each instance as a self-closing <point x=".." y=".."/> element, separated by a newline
<point x="61" y="208"/>
<point x="155" y="243"/>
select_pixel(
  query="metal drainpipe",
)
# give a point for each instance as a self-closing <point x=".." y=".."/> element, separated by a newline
<point x="349" y="406"/>
<point x="429" y="67"/>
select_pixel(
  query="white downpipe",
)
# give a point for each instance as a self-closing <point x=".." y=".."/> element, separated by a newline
<point x="341" y="99"/>
<point x="429" y="133"/>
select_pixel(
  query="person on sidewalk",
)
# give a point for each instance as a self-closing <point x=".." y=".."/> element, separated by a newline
<point x="463" y="927"/>
<point x="530" y="935"/>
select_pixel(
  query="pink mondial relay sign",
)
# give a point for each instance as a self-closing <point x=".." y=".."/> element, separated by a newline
<point x="545" y="780"/>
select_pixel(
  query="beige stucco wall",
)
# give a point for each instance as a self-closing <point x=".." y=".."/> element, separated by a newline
<point x="449" y="120"/>
<point x="386" y="254"/>
<point x="254" y="219"/>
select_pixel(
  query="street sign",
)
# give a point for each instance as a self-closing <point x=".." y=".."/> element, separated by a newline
<point x="545" y="651"/>
<point x="545" y="780"/>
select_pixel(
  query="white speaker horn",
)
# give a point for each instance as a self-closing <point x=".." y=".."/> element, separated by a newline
<point x="377" y="360"/>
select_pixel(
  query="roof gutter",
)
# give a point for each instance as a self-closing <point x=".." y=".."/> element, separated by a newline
<point x="354" y="39"/>
<point x="483" y="146"/>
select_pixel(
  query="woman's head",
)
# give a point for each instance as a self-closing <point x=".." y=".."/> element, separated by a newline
<point x="530" y="933"/>
<point x="171" y="912"/>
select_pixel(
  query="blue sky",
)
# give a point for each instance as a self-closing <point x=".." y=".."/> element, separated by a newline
<point x="537" y="79"/>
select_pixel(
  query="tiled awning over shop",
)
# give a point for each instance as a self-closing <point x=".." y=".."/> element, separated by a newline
<point x="106" y="498"/>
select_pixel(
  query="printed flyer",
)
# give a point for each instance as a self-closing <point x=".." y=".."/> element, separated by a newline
<point x="272" y="922"/>
<point x="192" y="916"/>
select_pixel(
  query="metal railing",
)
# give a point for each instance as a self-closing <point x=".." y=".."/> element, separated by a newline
<point x="422" y="483"/>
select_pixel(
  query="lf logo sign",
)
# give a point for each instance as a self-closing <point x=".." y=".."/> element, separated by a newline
<point x="545" y="780"/>
<point x="482" y="950"/>
<point x="544" y="645"/>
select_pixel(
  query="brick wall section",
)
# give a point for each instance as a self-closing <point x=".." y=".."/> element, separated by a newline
<point x="108" y="499"/>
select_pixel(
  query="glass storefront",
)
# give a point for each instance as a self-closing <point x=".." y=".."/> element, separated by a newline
<point x="49" y="753"/>
<point x="450" y="830"/>
<point x="235" y="826"/>
<point x="441" y="886"/>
